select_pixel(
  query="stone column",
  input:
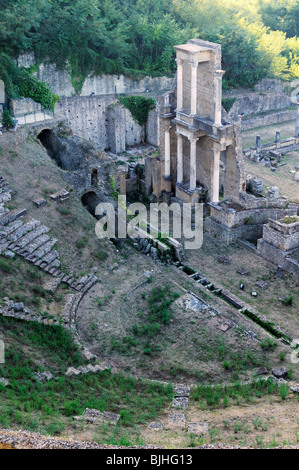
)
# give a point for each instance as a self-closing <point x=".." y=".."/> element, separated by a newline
<point x="258" y="141"/>
<point x="218" y="97"/>
<point x="215" y="176"/>
<point x="277" y="137"/>
<point x="179" y="84"/>
<point x="193" y="142"/>
<point x="179" y="157"/>
<point x="194" y="67"/>
<point x="167" y="152"/>
<point x="297" y="121"/>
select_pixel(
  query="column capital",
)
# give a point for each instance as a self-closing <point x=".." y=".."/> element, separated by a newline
<point x="192" y="139"/>
<point x="193" y="64"/>
<point x="179" y="61"/>
<point x="220" y="73"/>
<point x="178" y="134"/>
<point x="167" y="129"/>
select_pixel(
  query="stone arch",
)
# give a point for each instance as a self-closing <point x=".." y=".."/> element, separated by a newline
<point x="90" y="200"/>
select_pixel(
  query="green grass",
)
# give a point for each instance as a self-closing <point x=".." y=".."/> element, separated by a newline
<point x="49" y="407"/>
<point x="221" y="396"/>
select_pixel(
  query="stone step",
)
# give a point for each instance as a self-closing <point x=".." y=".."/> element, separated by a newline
<point x="43" y="250"/>
<point x="10" y="228"/>
<point x="12" y="215"/>
<point x="34" y="245"/>
<point x="25" y="228"/>
<point x="50" y="257"/>
<point x="31" y="236"/>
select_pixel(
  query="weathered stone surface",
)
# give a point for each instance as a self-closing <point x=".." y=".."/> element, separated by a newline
<point x="182" y="391"/>
<point x="40" y="202"/>
<point x="280" y="373"/>
<point x="262" y="371"/>
<point x="4" y="382"/>
<point x="198" y="428"/>
<point x="94" y="416"/>
<point x="177" y="420"/>
<point x="155" y="426"/>
<point x="242" y="271"/>
<point x="224" y="260"/>
<point x="262" y="285"/>
<point x="43" y="376"/>
<point x="180" y="402"/>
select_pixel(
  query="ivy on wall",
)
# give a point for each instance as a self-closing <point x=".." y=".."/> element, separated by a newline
<point x="228" y="103"/>
<point x="20" y="83"/>
<point x="139" y="107"/>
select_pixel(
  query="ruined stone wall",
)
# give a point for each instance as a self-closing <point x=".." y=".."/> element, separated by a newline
<point x="269" y="119"/>
<point x="255" y="103"/>
<point x="101" y="85"/>
<point x="97" y="118"/>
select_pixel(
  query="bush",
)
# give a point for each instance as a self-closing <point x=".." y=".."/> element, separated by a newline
<point x="7" y="120"/>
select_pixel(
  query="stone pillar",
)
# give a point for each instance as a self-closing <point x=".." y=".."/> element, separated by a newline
<point x="194" y="67"/>
<point x="193" y="142"/>
<point x="218" y="97"/>
<point x="296" y="176"/>
<point x="258" y="141"/>
<point x="277" y="137"/>
<point x="216" y="176"/>
<point x="179" y="157"/>
<point x="297" y="121"/>
<point x="167" y="152"/>
<point x="179" y="84"/>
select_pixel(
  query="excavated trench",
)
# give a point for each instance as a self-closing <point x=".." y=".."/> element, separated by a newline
<point x="90" y="200"/>
<point x="66" y="154"/>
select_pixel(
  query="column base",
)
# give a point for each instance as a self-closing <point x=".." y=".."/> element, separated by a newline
<point x="186" y="195"/>
<point x="167" y="183"/>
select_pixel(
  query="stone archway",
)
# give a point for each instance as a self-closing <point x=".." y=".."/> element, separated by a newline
<point x="90" y="200"/>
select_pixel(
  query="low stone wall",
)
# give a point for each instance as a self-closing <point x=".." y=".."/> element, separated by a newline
<point x="269" y="119"/>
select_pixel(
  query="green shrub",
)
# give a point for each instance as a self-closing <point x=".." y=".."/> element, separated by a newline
<point x="7" y="120"/>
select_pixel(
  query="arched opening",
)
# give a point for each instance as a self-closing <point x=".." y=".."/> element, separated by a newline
<point x="94" y="177"/>
<point x="54" y="148"/>
<point x="90" y="200"/>
<point x="66" y="153"/>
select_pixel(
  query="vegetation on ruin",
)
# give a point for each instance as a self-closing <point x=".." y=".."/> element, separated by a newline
<point x="19" y="82"/>
<point x="49" y="407"/>
<point x="258" y="37"/>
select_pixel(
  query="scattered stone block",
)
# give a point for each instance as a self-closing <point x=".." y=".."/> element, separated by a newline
<point x="262" y="371"/>
<point x="176" y="420"/>
<point x="93" y="416"/>
<point x="262" y="284"/>
<point x="280" y="272"/>
<point x="224" y="260"/>
<point x="180" y="402"/>
<point x="254" y="294"/>
<point x="198" y="428"/>
<point x="4" y="382"/>
<point x="60" y="195"/>
<point x="19" y="306"/>
<point x="242" y="271"/>
<point x="280" y="373"/>
<point x="155" y="426"/>
<point x="43" y="376"/>
<point x="224" y="328"/>
<point x="295" y="389"/>
<point x="182" y="391"/>
<point x="40" y="202"/>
